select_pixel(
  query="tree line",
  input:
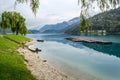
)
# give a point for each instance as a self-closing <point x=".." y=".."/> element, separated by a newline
<point x="13" y="21"/>
<point x="85" y="5"/>
<point x="15" y="26"/>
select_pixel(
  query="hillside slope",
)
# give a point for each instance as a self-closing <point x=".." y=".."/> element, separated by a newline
<point x="108" y="21"/>
<point x="59" y="27"/>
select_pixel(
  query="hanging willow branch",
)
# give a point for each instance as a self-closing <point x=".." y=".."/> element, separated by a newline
<point x="87" y="5"/>
<point x="34" y="4"/>
<point x="102" y="4"/>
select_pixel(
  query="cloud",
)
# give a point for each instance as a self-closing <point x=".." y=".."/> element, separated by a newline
<point x="6" y="5"/>
<point x="50" y="11"/>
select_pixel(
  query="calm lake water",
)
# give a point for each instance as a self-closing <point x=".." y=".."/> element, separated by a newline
<point x="83" y="61"/>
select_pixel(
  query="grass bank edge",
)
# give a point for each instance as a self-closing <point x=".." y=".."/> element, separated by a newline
<point x="12" y="65"/>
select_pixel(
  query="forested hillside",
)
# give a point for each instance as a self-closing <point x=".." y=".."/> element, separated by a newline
<point x="108" y="21"/>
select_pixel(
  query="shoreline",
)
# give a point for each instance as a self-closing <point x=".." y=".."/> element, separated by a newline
<point x="40" y="69"/>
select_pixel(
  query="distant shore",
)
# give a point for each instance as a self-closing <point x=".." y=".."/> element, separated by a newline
<point x="40" y="69"/>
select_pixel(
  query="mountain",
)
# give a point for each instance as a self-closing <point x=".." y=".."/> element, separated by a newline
<point x="31" y="31"/>
<point x="59" y="27"/>
<point x="108" y="21"/>
<point x="0" y="18"/>
<point x="74" y="29"/>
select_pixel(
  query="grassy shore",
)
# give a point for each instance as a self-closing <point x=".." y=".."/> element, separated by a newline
<point x="12" y="65"/>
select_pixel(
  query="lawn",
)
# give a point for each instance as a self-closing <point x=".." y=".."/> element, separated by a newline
<point x="12" y="65"/>
<point x="18" y="38"/>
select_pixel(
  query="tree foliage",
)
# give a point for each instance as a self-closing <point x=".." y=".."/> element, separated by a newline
<point x="85" y="4"/>
<point x="34" y="4"/>
<point x="13" y="21"/>
<point x="107" y="21"/>
<point x="5" y="23"/>
<point x="88" y="6"/>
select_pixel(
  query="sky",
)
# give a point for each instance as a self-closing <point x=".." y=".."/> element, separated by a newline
<point x="49" y="12"/>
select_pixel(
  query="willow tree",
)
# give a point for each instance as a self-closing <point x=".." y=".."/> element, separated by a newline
<point x="85" y="5"/>
<point x="5" y="23"/>
<point x="18" y="23"/>
<point x="13" y="21"/>
<point x="23" y="30"/>
<point x="20" y="26"/>
<point x="90" y="5"/>
<point x="34" y="4"/>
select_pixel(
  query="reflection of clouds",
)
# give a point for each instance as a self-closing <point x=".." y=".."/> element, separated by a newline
<point x="79" y="57"/>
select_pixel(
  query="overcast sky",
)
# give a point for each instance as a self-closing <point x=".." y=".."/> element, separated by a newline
<point x="50" y="11"/>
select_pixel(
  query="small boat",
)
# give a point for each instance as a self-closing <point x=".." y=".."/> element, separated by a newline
<point x="34" y="49"/>
<point x="40" y="40"/>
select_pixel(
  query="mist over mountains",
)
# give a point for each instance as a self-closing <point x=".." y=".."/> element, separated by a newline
<point x="57" y="28"/>
<point x="108" y="21"/>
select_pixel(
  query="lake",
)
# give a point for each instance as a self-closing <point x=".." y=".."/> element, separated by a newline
<point x="83" y="61"/>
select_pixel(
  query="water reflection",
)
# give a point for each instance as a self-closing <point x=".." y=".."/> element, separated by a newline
<point x="111" y="49"/>
<point x="74" y="58"/>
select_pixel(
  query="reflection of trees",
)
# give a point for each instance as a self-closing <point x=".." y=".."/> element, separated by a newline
<point x="112" y="49"/>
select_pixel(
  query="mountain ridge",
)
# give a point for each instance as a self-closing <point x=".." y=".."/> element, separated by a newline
<point x="59" y="27"/>
<point x="108" y="21"/>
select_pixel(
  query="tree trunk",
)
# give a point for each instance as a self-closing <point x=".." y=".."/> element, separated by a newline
<point x="4" y="31"/>
<point x="17" y="30"/>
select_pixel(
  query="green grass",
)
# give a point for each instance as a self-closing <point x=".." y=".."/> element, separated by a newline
<point x="12" y="65"/>
<point x="17" y="38"/>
